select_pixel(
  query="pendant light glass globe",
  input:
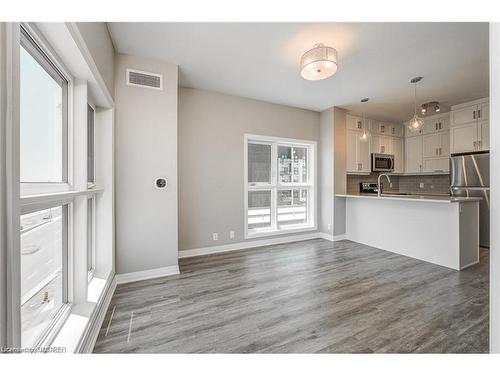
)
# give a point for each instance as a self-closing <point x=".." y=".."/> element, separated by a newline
<point x="318" y="63"/>
<point x="365" y="134"/>
<point x="416" y="123"/>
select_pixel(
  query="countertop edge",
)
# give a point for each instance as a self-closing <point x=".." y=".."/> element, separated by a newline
<point x="407" y="199"/>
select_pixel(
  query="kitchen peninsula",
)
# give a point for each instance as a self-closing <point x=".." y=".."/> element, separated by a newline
<point x="439" y="230"/>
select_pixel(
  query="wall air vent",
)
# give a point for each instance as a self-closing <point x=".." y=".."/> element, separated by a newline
<point x="144" y="79"/>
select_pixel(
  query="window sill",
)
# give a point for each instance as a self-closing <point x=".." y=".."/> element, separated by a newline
<point x="290" y="230"/>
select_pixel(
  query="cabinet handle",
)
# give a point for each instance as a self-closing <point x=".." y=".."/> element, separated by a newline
<point x="478" y="113"/>
<point x="440" y="151"/>
<point x="440" y="126"/>
<point x="474" y="144"/>
<point x="474" y="115"/>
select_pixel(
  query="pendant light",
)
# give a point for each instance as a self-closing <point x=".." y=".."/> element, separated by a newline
<point x="320" y="62"/>
<point x="365" y="135"/>
<point x="416" y="123"/>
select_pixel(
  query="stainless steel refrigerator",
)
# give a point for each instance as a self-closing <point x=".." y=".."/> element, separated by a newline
<point x="470" y="177"/>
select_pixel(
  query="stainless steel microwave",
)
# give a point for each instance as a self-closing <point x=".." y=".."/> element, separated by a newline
<point x="382" y="163"/>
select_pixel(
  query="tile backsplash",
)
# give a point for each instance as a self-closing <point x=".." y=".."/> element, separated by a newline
<point x="433" y="184"/>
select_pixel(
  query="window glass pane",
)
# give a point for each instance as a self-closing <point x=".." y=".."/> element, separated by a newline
<point x="90" y="235"/>
<point x="90" y="145"/>
<point x="259" y="163"/>
<point x="292" y="164"/>
<point x="42" y="130"/>
<point x="259" y="209"/>
<point x="43" y="235"/>
<point x="292" y="207"/>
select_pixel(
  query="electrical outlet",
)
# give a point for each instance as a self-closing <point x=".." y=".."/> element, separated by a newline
<point x="231" y="234"/>
<point x="422" y="185"/>
<point x="215" y="236"/>
<point x="329" y="226"/>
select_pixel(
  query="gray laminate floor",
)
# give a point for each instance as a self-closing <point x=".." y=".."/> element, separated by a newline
<point x="304" y="297"/>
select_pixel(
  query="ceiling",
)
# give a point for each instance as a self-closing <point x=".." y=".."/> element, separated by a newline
<point x="376" y="60"/>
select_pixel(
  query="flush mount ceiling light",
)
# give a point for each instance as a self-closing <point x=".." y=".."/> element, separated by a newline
<point x="320" y="62"/>
<point x="365" y="135"/>
<point x="416" y="123"/>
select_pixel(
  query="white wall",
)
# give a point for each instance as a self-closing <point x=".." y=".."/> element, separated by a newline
<point x="98" y="41"/>
<point x="495" y="187"/>
<point x="211" y="136"/>
<point x="146" y="148"/>
<point x="326" y="172"/>
<point x="340" y="176"/>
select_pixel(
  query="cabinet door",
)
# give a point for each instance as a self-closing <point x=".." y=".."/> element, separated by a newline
<point x="381" y="144"/>
<point x="397" y="150"/>
<point x="484" y="135"/>
<point x="414" y="155"/>
<point x="484" y="111"/>
<point x="437" y="165"/>
<point x="396" y="130"/>
<point x="444" y="123"/>
<point x="354" y="122"/>
<point x="445" y="144"/>
<point x="363" y="156"/>
<point x="351" y="157"/>
<point x="431" y="145"/>
<point x="464" y="115"/>
<point x="464" y="138"/>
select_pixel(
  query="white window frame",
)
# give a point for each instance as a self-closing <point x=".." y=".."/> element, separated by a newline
<point x="30" y="205"/>
<point x="36" y="43"/>
<point x="275" y="185"/>
<point x="92" y="238"/>
<point x="92" y="184"/>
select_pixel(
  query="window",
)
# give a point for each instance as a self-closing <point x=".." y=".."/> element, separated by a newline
<point x="90" y="236"/>
<point x="44" y="232"/>
<point x="43" y="270"/>
<point x="43" y="119"/>
<point x="90" y="146"/>
<point x="280" y="185"/>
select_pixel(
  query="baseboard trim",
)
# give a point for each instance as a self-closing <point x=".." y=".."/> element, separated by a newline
<point x="257" y="243"/>
<point x="90" y="337"/>
<point x="329" y="237"/>
<point x="123" y="278"/>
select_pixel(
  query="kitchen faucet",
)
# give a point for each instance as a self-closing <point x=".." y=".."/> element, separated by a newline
<point x="379" y="186"/>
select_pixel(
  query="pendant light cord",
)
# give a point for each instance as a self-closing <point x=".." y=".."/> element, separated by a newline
<point x="415" y="114"/>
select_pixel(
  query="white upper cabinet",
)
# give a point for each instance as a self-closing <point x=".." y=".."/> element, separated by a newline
<point x="436" y="145"/>
<point x="484" y="111"/>
<point x="484" y="135"/>
<point x="354" y="122"/>
<point x="381" y="144"/>
<point x="414" y="155"/>
<point x="386" y="128"/>
<point x="397" y="151"/>
<point x="436" y="124"/>
<point x="463" y="138"/>
<point x="358" y="153"/>
<point x="431" y="144"/>
<point x="436" y="165"/>
<point x="464" y="115"/>
<point x="469" y="128"/>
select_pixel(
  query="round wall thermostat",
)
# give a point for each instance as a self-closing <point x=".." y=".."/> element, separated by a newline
<point x="161" y="183"/>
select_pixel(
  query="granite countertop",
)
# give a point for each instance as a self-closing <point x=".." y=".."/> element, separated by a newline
<point x="443" y="198"/>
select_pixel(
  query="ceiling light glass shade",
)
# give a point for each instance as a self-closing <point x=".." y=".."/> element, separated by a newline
<point x="365" y="136"/>
<point x="415" y="124"/>
<point x="318" y="63"/>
